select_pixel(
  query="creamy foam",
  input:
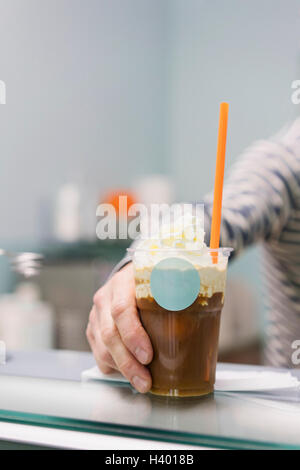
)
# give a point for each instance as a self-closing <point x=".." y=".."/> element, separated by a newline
<point x="183" y="239"/>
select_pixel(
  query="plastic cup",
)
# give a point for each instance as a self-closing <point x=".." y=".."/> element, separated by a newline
<point x="180" y="297"/>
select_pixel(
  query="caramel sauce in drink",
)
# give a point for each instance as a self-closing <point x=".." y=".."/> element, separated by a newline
<point x="185" y="345"/>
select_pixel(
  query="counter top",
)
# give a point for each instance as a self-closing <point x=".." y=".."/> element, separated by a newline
<point x="44" y="389"/>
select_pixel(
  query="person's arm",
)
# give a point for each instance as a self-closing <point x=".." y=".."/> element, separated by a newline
<point x="258" y="197"/>
<point x="260" y="192"/>
<point x="124" y="261"/>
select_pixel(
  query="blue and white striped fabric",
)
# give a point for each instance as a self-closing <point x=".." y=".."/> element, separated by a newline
<point x="261" y="204"/>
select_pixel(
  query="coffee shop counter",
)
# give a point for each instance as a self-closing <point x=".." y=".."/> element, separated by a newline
<point x="44" y="403"/>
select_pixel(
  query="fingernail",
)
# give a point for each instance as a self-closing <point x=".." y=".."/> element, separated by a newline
<point x="142" y="355"/>
<point x="140" y="384"/>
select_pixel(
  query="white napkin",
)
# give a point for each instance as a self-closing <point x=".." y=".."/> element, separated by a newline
<point x="248" y="381"/>
<point x="95" y="374"/>
<point x="226" y="380"/>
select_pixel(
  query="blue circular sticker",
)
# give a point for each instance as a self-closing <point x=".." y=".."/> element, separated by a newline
<point x="174" y="283"/>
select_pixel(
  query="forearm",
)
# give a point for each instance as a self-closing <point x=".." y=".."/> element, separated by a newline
<point x="124" y="261"/>
<point x="259" y="195"/>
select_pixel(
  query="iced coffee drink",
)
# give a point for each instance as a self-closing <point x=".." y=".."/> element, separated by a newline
<point x="180" y="289"/>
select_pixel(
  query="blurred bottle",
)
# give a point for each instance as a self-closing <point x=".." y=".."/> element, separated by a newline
<point x="26" y="322"/>
<point x="155" y="188"/>
<point x="67" y="214"/>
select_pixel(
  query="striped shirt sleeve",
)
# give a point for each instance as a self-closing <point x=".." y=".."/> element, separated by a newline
<point x="259" y="193"/>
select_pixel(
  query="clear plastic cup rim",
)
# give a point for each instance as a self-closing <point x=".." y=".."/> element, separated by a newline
<point x="225" y="251"/>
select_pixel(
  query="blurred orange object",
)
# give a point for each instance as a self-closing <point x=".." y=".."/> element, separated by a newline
<point x="117" y="199"/>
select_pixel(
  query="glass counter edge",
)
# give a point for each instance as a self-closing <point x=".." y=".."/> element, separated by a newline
<point x="60" y="422"/>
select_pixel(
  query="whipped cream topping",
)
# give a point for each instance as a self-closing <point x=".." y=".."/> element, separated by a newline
<point x="184" y="238"/>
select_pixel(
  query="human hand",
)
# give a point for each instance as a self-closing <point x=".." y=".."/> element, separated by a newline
<point x="115" y="333"/>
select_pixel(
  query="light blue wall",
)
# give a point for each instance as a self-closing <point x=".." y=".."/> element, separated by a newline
<point x="243" y="52"/>
<point x="85" y="98"/>
<point x="111" y="89"/>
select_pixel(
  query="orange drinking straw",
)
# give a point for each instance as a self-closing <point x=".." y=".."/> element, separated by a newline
<point x="219" y="178"/>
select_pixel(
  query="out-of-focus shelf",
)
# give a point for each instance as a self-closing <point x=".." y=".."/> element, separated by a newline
<point x="108" y="250"/>
<point x="71" y="274"/>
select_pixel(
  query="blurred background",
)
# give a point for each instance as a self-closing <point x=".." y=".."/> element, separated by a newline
<point x="108" y="97"/>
